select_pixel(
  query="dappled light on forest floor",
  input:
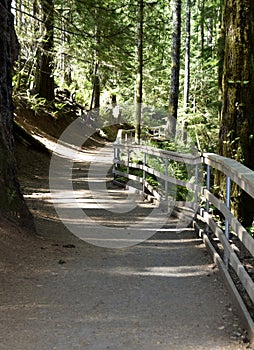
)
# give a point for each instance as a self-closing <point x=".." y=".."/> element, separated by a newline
<point x="68" y="150"/>
<point x="164" y="271"/>
<point x="158" y="293"/>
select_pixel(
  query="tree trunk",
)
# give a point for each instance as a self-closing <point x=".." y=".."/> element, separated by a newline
<point x="96" y="93"/>
<point x="44" y="84"/>
<point x="236" y="139"/>
<point x="221" y="53"/>
<point x="202" y="28"/>
<point x="139" y="79"/>
<point x="187" y="57"/>
<point x="175" y="70"/>
<point x="11" y="199"/>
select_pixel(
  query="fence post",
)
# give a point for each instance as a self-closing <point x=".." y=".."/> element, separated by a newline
<point x="119" y="136"/>
<point x="196" y="184"/>
<point x="116" y="158"/>
<point x="128" y="160"/>
<point x="144" y="173"/>
<point x="228" y="190"/>
<point x="117" y="149"/>
<point x="208" y="184"/>
<point x="166" y="182"/>
<point x="227" y="227"/>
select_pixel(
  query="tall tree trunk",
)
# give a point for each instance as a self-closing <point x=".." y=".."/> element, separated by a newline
<point x="96" y="93"/>
<point x="11" y="200"/>
<point x="44" y="84"/>
<point x="139" y="79"/>
<point x="187" y="57"/>
<point x="175" y="70"/>
<point x="236" y="139"/>
<point x="221" y="53"/>
<point x="202" y="27"/>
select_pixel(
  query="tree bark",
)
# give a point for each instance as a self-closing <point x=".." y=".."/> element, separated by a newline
<point x="44" y="81"/>
<point x="96" y="93"/>
<point x="236" y="138"/>
<point x="11" y="200"/>
<point x="139" y="78"/>
<point x="202" y="28"/>
<point x="187" y="57"/>
<point x="175" y="70"/>
<point x="220" y="54"/>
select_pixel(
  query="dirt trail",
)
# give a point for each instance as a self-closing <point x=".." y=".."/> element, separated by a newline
<point x="64" y="293"/>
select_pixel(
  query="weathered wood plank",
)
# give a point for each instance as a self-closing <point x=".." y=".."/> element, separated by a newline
<point x="240" y="174"/>
<point x="176" y="156"/>
<point x="233" y="259"/>
<point x="243" y="235"/>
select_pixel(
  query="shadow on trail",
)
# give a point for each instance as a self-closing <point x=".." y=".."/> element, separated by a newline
<point x="162" y="293"/>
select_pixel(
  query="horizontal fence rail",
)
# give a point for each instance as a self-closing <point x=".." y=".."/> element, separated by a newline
<point x="240" y="174"/>
<point x="244" y="178"/>
<point x="136" y="163"/>
<point x="160" y="164"/>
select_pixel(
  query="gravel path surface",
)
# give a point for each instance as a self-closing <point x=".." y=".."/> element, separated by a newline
<point x="163" y="293"/>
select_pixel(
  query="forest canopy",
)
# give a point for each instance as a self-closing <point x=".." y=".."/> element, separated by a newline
<point x="91" y="48"/>
<point x="188" y="60"/>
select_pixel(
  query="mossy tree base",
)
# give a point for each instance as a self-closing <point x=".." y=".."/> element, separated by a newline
<point x="236" y="138"/>
<point x="12" y="203"/>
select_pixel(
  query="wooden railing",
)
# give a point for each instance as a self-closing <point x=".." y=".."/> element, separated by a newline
<point x="244" y="178"/>
<point x="128" y="136"/>
<point x="125" y="136"/>
<point x="128" y="156"/>
<point x="139" y="157"/>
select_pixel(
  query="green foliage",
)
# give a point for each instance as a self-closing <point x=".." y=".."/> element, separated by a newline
<point x="36" y="103"/>
<point x="33" y="102"/>
<point x="104" y="31"/>
<point x="250" y="230"/>
<point x="177" y="170"/>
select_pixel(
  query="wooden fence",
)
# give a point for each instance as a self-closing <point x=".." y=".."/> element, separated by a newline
<point x="136" y="163"/>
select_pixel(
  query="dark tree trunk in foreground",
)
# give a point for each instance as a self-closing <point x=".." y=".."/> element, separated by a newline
<point x="237" y="114"/>
<point x="175" y="70"/>
<point x="11" y="200"/>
